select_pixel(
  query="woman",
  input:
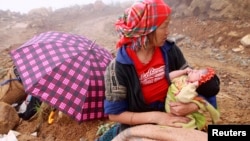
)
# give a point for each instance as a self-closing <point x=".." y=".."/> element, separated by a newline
<point x="137" y="79"/>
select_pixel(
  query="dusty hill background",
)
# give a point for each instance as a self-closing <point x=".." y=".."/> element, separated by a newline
<point x="208" y="31"/>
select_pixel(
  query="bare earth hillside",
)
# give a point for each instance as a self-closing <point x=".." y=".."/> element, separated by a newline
<point x="204" y="42"/>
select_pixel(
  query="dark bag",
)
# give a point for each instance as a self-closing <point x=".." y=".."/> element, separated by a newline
<point x="31" y="109"/>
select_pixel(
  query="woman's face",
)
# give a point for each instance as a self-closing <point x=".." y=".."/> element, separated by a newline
<point x="161" y="33"/>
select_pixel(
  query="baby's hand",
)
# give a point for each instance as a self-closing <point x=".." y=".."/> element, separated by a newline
<point x="187" y="70"/>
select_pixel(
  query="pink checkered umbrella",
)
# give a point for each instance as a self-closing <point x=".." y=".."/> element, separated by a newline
<point x="66" y="71"/>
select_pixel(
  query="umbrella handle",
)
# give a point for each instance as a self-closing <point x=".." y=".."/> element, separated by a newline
<point x="51" y="116"/>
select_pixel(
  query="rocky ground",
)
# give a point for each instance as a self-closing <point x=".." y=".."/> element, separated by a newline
<point x="204" y="42"/>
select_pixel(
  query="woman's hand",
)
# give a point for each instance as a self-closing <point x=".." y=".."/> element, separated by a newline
<point x="168" y="119"/>
<point x="182" y="109"/>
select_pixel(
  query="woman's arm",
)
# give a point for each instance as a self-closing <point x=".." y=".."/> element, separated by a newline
<point x="176" y="59"/>
<point x="154" y="117"/>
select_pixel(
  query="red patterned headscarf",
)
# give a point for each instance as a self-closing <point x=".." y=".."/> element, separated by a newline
<point x="142" y="18"/>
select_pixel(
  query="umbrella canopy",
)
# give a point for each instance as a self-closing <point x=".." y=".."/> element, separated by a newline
<point x="66" y="71"/>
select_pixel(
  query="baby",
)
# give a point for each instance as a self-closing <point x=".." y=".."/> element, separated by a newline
<point x="193" y="86"/>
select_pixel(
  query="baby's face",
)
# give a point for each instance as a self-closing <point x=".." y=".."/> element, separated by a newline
<point x="194" y="75"/>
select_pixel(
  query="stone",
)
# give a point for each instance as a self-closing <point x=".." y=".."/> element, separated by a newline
<point x="245" y="41"/>
<point x="9" y="118"/>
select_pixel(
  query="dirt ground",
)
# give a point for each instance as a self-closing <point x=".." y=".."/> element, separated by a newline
<point x="204" y="43"/>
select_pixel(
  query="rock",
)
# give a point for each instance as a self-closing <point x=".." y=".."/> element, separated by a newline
<point x="238" y="49"/>
<point x="245" y="41"/>
<point x="233" y="34"/>
<point x="9" y="118"/>
<point x="218" y="4"/>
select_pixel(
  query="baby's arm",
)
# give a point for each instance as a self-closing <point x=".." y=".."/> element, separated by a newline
<point x="178" y="73"/>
